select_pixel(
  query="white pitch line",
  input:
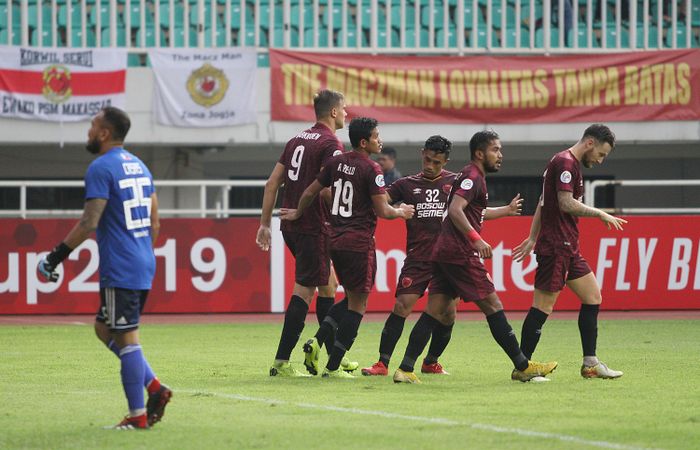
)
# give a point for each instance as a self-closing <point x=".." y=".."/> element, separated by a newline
<point x="435" y="420"/>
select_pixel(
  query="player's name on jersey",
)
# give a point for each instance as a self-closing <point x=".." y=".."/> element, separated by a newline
<point x="347" y="170"/>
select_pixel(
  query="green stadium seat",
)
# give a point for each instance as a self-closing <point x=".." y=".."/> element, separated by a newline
<point x="337" y="17"/>
<point x="582" y="38"/>
<point x="351" y="37"/>
<point x="16" y="17"/>
<point x="497" y="16"/>
<point x="481" y="38"/>
<point x="681" y="37"/>
<point x="135" y="14"/>
<point x="611" y="37"/>
<point x="194" y="15"/>
<point x="46" y="38"/>
<point x="236" y="16"/>
<point x="422" y="41"/>
<point x="310" y="34"/>
<point x="178" y="18"/>
<point x="366" y="15"/>
<point x="76" y="16"/>
<point x="695" y="14"/>
<point x="77" y="38"/>
<point x="396" y="16"/>
<point x="5" y="36"/>
<point x="438" y="13"/>
<point x="384" y="42"/>
<point x="295" y="14"/>
<point x="32" y="16"/>
<point x="103" y="12"/>
<point x="263" y="60"/>
<point x="265" y="17"/>
<point x="278" y="37"/>
<point x="510" y="38"/>
<point x="451" y="38"/>
<point x="105" y="37"/>
<point x="553" y="38"/>
<point x="469" y="14"/>
<point x="149" y="36"/>
<point x="652" y="38"/>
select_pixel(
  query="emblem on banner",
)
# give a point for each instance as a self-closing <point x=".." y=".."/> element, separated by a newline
<point x="57" y="84"/>
<point x="207" y="85"/>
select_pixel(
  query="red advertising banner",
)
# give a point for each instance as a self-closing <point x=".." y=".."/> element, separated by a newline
<point x="634" y="86"/>
<point x="202" y="265"/>
<point x="653" y="264"/>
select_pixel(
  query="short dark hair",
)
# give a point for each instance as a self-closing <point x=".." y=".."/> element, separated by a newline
<point x="390" y="152"/>
<point x="325" y="100"/>
<point x="438" y="144"/>
<point x="600" y="133"/>
<point x="361" y="128"/>
<point x="118" y="122"/>
<point x="481" y="140"/>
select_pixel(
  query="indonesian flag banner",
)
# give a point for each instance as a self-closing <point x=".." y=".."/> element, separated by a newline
<point x="633" y="86"/>
<point x="60" y="84"/>
<point x="204" y="87"/>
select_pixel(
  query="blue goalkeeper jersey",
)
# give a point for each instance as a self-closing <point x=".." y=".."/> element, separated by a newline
<point x="124" y="231"/>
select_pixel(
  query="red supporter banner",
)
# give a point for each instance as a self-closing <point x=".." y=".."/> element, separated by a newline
<point x="634" y="86"/>
<point x="653" y="264"/>
<point x="202" y="266"/>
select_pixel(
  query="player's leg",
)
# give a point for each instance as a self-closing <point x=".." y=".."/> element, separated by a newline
<point x="326" y="297"/>
<point x="587" y="290"/>
<point x="122" y="313"/>
<point x="391" y="333"/>
<point x="346" y="334"/>
<point x="437" y="304"/>
<point x="442" y="333"/>
<point x="550" y="279"/>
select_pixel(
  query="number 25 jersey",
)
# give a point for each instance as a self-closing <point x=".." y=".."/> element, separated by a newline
<point x="124" y="231"/>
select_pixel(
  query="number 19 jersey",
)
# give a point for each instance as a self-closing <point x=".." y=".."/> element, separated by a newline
<point x="303" y="157"/>
<point x="124" y="231"/>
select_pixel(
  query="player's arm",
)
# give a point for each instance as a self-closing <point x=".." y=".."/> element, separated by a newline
<point x="155" y="218"/>
<point x="526" y="246"/>
<point x="383" y="209"/>
<point x="92" y="213"/>
<point x="307" y="197"/>
<point x="569" y="205"/>
<point x="326" y="196"/>
<point x="276" y="179"/>
<point x="514" y="208"/>
<point x="456" y="213"/>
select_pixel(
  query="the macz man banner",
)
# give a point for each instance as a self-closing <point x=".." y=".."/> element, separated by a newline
<point x="634" y="86"/>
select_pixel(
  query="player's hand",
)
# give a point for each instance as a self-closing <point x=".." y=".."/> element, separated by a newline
<point x="47" y="271"/>
<point x="515" y="207"/>
<point x="289" y="214"/>
<point x="263" y="238"/>
<point x="483" y="248"/>
<point x="408" y="210"/>
<point x="525" y="248"/>
<point x="612" y="221"/>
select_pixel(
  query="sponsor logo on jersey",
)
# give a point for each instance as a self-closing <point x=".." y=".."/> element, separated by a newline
<point x="379" y="180"/>
<point x="207" y="85"/>
<point x="466" y="184"/>
<point x="565" y="177"/>
<point x="416" y="191"/>
<point x="57" y="84"/>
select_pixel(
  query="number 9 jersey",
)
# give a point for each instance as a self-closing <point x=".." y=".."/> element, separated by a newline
<point x="124" y="231"/>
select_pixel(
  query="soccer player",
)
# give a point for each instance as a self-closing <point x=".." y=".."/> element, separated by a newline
<point x="458" y="270"/>
<point x="554" y="237"/>
<point x="307" y="238"/>
<point x="427" y="191"/>
<point x="358" y="195"/>
<point x="121" y="204"/>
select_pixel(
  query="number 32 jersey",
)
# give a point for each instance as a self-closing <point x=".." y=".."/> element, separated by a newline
<point x="124" y="231"/>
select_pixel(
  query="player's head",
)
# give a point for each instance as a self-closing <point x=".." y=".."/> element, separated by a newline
<point x="485" y="147"/>
<point x="387" y="158"/>
<point x="598" y="141"/>
<point x="364" y="135"/>
<point x="108" y="128"/>
<point x="436" y="153"/>
<point x="330" y="106"/>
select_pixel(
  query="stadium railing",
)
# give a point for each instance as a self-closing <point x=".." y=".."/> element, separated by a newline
<point x="355" y="26"/>
<point x="220" y="198"/>
<point x="591" y="186"/>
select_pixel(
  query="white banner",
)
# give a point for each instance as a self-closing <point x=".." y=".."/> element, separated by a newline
<point x="60" y="84"/>
<point x="204" y="87"/>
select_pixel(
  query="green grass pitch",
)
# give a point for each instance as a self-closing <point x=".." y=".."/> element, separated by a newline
<point x="59" y="387"/>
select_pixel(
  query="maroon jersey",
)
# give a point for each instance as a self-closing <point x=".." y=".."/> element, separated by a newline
<point x="559" y="230"/>
<point x="429" y="197"/>
<point x="452" y="245"/>
<point x="303" y="157"/>
<point x="354" y="178"/>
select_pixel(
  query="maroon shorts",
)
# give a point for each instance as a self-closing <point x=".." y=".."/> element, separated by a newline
<point x="415" y="277"/>
<point x="355" y="270"/>
<point x="553" y="271"/>
<point x="470" y="281"/>
<point x="312" y="266"/>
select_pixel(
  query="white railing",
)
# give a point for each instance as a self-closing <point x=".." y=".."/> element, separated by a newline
<point x="591" y="187"/>
<point x="387" y="26"/>
<point x="220" y="208"/>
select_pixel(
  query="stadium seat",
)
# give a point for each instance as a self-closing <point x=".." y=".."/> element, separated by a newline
<point x="106" y="37"/>
<point x="278" y="37"/>
<point x="46" y="38"/>
<point x="178" y="15"/>
<point x="33" y="14"/>
<point x="481" y="39"/>
<point x="16" y="17"/>
<point x="194" y="15"/>
<point x="582" y="38"/>
<point x="295" y="14"/>
<point x="103" y="12"/>
<point x="451" y="33"/>
<point x="5" y="36"/>
<point x="470" y="14"/>
<point x="265" y="17"/>
<point x="149" y="38"/>
<point x="423" y="38"/>
<point x="681" y="37"/>
<point x="350" y="36"/>
<point x="510" y="38"/>
<point x="310" y="34"/>
<point x="438" y="14"/>
<point x="76" y="15"/>
<point x="337" y="18"/>
<point x="366" y="17"/>
<point x="611" y="37"/>
<point x="135" y="14"/>
<point x="410" y="14"/>
<point x="695" y="14"/>
<point x="652" y="38"/>
<point x="236" y="16"/>
<point x="553" y="38"/>
<point x="384" y="42"/>
<point x="77" y="38"/>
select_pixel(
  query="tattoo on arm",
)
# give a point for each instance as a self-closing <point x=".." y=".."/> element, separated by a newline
<point x="569" y="205"/>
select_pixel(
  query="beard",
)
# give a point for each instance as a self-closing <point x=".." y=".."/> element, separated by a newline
<point x="490" y="168"/>
<point x="93" y="146"/>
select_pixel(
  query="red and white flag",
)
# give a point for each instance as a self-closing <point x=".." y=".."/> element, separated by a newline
<point x="60" y="84"/>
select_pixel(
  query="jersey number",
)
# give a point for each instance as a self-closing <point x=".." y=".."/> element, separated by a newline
<point x="293" y="173"/>
<point x="431" y="195"/>
<point x="136" y="185"/>
<point x="342" y="200"/>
